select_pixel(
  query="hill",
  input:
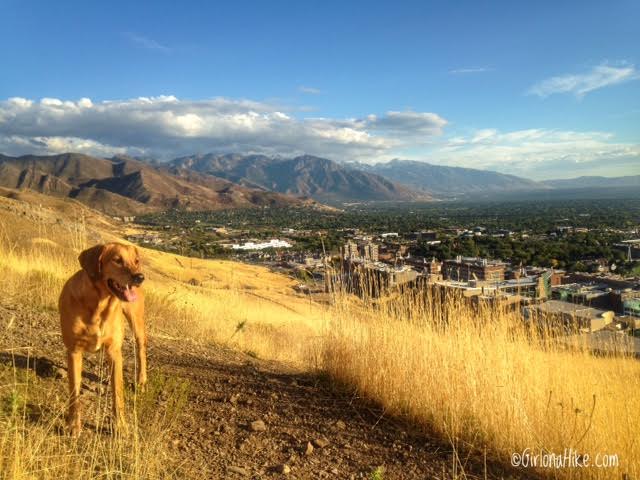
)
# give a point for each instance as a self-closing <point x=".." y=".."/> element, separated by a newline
<point x="124" y="186"/>
<point x="448" y="181"/>
<point x="319" y="178"/>
<point x="229" y="344"/>
<point x="390" y="388"/>
<point x="595" y="182"/>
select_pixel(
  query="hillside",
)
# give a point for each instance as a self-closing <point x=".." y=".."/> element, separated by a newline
<point x="341" y="388"/>
<point x="448" y="181"/>
<point x="230" y="344"/>
<point x="124" y="186"/>
<point x="319" y="178"/>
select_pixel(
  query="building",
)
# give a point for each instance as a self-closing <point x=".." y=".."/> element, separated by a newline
<point x="375" y="278"/>
<point x="273" y="243"/>
<point x="464" y="269"/>
<point x="552" y="275"/>
<point x="529" y="287"/>
<point x="370" y="252"/>
<point x="590" y="295"/>
<point x="631" y="248"/>
<point x="391" y="252"/>
<point x="569" y="317"/>
<point x="366" y="251"/>
<point x="612" y="281"/>
<point x="349" y="251"/>
<point x="631" y="307"/>
<point x="432" y="269"/>
<point x="601" y="292"/>
<point x="423" y="236"/>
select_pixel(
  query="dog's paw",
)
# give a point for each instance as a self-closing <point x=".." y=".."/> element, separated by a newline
<point x="141" y="384"/>
<point x="75" y="430"/>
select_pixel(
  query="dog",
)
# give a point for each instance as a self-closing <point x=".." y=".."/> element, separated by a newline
<point x="92" y="305"/>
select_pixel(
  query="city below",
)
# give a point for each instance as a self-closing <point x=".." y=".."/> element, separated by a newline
<point x="575" y="273"/>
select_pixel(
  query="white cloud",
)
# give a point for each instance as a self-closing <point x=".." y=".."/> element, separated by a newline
<point x="166" y="126"/>
<point x="541" y="153"/>
<point x="147" y="43"/>
<point x="309" y="90"/>
<point x="463" y="71"/>
<point x="600" y="76"/>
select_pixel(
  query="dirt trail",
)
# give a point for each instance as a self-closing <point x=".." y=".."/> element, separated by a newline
<point x="251" y="418"/>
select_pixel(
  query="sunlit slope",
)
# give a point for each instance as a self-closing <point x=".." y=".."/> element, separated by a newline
<point x="246" y="306"/>
<point x="481" y="379"/>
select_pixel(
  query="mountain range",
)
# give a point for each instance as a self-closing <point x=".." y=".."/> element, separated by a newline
<point x="123" y="185"/>
<point x="446" y="181"/>
<point x="319" y="178"/>
<point x="595" y="182"/>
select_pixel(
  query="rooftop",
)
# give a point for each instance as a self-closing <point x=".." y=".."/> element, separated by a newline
<point x="478" y="261"/>
<point x="558" y="306"/>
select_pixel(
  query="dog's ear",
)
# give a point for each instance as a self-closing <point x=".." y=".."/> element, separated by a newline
<point x="90" y="261"/>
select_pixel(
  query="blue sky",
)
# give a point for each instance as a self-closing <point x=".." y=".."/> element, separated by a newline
<point x="542" y="89"/>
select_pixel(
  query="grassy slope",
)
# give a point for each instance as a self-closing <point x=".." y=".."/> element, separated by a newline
<point x="480" y="380"/>
<point x="39" y="244"/>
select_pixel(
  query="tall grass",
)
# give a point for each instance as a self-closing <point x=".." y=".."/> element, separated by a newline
<point x="487" y="382"/>
<point x="34" y="444"/>
<point x="246" y="310"/>
<point x="33" y="439"/>
<point x="477" y="376"/>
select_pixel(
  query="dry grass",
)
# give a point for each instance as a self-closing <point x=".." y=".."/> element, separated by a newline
<point x="480" y="379"/>
<point x="33" y="443"/>
<point x="246" y="307"/>
<point x="487" y="383"/>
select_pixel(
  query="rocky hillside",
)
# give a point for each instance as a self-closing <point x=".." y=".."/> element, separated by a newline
<point x="121" y="185"/>
<point x="319" y="178"/>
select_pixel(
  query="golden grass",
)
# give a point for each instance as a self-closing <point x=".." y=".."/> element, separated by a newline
<point x="481" y="380"/>
<point x="33" y="443"/>
<point x="489" y="384"/>
<point x="245" y="307"/>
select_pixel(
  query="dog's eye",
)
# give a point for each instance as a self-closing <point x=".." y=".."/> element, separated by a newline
<point x="118" y="260"/>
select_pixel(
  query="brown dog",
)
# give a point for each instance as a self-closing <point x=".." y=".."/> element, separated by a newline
<point x="92" y="305"/>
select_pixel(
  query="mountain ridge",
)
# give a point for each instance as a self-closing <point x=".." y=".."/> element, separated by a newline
<point x="449" y="181"/>
<point x="125" y="186"/>
<point x="587" y="181"/>
<point x="322" y="179"/>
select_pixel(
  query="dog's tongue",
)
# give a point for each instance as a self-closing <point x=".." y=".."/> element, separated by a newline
<point x="130" y="294"/>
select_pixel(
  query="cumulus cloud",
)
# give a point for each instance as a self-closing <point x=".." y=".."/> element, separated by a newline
<point x="407" y="123"/>
<point x="166" y="126"/>
<point x="600" y="76"/>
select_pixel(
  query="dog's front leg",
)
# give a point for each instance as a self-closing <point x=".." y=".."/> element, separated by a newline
<point x="115" y="360"/>
<point x="141" y="349"/>
<point x="74" y="374"/>
<point x="135" y="316"/>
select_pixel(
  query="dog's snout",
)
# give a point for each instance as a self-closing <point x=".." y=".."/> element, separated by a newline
<point x="138" y="278"/>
